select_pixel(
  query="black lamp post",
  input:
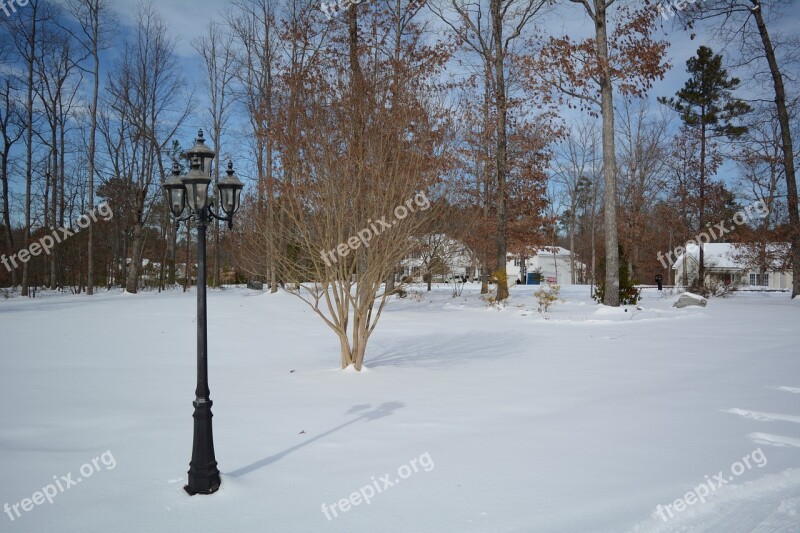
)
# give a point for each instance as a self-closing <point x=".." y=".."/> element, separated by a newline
<point x="191" y="191"/>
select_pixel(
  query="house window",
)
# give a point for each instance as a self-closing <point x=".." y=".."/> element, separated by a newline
<point x="516" y="261"/>
<point x="759" y="280"/>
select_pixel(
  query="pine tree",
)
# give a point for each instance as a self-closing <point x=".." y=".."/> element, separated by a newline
<point x="706" y="104"/>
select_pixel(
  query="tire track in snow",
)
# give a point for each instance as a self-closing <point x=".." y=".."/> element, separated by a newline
<point x="769" y="504"/>
<point x="763" y="417"/>
<point x="774" y="440"/>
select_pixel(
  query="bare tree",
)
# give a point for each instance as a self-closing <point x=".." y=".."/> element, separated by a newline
<point x="216" y="48"/>
<point x="575" y="171"/>
<point x="25" y="30"/>
<point x="55" y="66"/>
<point x="643" y="138"/>
<point x="325" y="229"/>
<point x="359" y="151"/>
<point x="492" y="36"/>
<point x="255" y="28"/>
<point x="96" y="24"/>
<point x="145" y="91"/>
<point x="11" y="131"/>
<point x="588" y="71"/>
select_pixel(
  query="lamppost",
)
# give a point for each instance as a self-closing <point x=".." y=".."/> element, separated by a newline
<point x="188" y="199"/>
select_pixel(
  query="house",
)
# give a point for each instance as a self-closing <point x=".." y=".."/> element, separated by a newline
<point x="548" y="264"/>
<point x="730" y="264"/>
<point x="441" y="256"/>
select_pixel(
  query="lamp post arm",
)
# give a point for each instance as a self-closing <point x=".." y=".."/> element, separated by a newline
<point x="212" y="214"/>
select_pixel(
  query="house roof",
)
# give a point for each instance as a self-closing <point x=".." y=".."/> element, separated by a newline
<point x="550" y="250"/>
<point x="721" y="255"/>
<point x="545" y="250"/>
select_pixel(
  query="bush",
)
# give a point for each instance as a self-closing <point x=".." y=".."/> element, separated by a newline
<point x="628" y="293"/>
<point x="715" y="287"/>
<point x="546" y="296"/>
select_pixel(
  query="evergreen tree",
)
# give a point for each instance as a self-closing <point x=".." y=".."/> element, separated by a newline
<point x="706" y="104"/>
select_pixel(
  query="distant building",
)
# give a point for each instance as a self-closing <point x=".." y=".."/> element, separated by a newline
<point x="549" y="264"/>
<point x="442" y="256"/>
<point x="727" y="263"/>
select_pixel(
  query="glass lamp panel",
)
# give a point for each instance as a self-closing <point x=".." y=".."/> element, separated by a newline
<point x="201" y="196"/>
<point x="191" y="196"/>
<point x="177" y="200"/>
<point x="226" y="199"/>
<point x="236" y="195"/>
<point x="197" y="192"/>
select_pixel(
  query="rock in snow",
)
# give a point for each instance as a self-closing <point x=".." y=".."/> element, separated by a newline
<point x="687" y="298"/>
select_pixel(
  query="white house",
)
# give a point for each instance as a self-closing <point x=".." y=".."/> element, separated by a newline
<point x="726" y="263"/>
<point x="549" y="264"/>
<point x="441" y="254"/>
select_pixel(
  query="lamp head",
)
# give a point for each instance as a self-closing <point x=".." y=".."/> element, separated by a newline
<point x="196" y="183"/>
<point x="176" y="191"/>
<point x="230" y="189"/>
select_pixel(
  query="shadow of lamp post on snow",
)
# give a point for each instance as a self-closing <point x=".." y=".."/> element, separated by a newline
<point x="363" y="412"/>
<point x="189" y="199"/>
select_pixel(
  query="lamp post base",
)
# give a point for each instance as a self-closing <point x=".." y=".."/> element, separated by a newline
<point x="192" y="492"/>
<point x="203" y="472"/>
<point x="203" y="484"/>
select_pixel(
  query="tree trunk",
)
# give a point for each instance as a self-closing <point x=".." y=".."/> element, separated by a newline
<point x="390" y="283"/>
<point x="344" y="346"/>
<point x="6" y="212"/>
<point x="701" y="271"/>
<point x="29" y="144"/>
<point x="131" y="285"/>
<point x="572" y="277"/>
<point x="786" y="145"/>
<point x="502" y="145"/>
<point x="187" y="269"/>
<point x="611" y="295"/>
<point x="215" y="279"/>
<point x="484" y="273"/>
<point x="594" y="247"/>
<point x="54" y="199"/>
<point x="92" y="150"/>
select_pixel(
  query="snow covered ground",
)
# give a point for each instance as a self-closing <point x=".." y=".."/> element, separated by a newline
<point x="485" y="420"/>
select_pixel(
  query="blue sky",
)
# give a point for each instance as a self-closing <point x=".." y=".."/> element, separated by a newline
<point x="187" y="19"/>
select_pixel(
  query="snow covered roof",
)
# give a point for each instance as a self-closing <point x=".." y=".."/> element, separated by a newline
<point x="546" y="250"/>
<point x="716" y="255"/>
<point x="550" y="250"/>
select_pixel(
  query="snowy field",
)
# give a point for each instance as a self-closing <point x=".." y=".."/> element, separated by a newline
<point x="480" y="420"/>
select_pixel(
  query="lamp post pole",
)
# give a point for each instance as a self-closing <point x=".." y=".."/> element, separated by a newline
<point x="203" y="471"/>
<point x="191" y="191"/>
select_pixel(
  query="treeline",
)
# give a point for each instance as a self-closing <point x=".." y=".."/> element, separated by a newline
<point x="518" y="137"/>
